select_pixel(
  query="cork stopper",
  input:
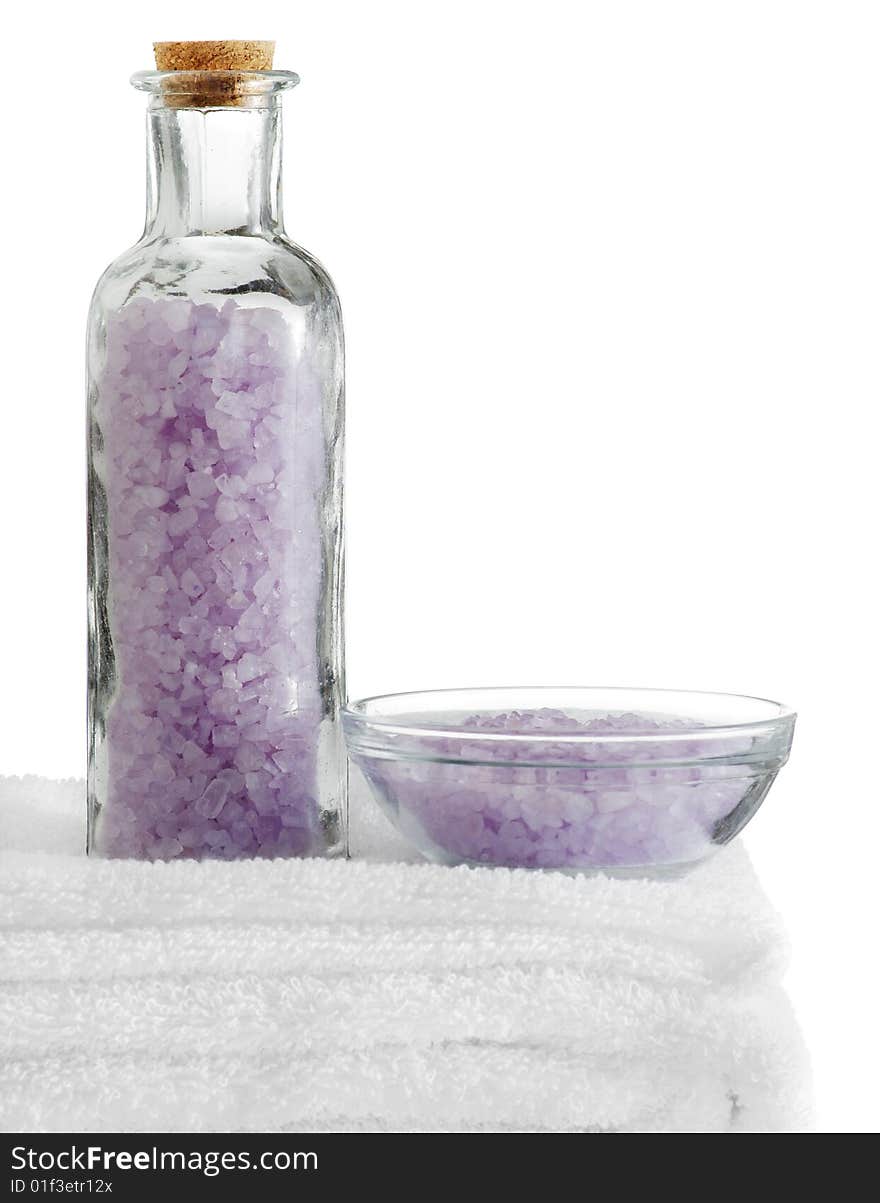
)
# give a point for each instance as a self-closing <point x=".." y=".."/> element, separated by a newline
<point x="211" y="74"/>
<point x="214" y="56"/>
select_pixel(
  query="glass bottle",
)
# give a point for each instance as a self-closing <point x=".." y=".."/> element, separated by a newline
<point x="215" y="423"/>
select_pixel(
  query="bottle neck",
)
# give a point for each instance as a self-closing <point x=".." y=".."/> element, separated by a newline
<point x="213" y="170"/>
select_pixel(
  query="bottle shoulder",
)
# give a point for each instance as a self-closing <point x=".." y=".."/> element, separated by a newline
<point x="216" y="267"/>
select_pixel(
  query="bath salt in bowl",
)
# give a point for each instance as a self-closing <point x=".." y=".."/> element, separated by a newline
<point x="626" y="781"/>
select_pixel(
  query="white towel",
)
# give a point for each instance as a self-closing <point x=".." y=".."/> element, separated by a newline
<point x="378" y="995"/>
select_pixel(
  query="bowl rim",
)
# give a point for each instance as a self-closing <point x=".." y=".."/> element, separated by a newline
<point x="353" y="714"/>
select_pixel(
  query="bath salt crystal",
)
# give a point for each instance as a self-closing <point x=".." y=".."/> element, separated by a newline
<point x="230" y="486"/>
<point x="151" y="496"/>
<point x="182" y="521"/>
<point x="249" y="667"/>
<point x="212" y="800"/>
<point x="201" y="485"/>
<point x="226" y="510"/>
<point x="214" y="586"/>
<point x="613" y="804"/>
<point x="190" y="583"/>
<point x="260" y="474"/>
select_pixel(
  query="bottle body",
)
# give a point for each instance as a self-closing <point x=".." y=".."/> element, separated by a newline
<point x="215" y="425"/>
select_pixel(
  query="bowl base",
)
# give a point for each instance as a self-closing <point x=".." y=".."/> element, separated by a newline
<point x="620" y="872"/>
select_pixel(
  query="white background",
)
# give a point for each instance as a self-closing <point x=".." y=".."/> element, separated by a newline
<point x="610" y="274"/>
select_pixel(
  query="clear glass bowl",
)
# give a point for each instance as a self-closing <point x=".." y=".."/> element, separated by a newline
<point x="617" y="780"/>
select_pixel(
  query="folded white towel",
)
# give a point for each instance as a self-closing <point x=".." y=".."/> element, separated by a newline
<point x="371" y="996"/>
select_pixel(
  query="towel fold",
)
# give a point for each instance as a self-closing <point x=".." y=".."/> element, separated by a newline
<point x="376" y="995"/>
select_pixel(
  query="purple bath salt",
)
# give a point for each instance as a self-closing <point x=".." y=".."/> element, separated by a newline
<point x="564" y="805"/>
<point x="214" y="551"/>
